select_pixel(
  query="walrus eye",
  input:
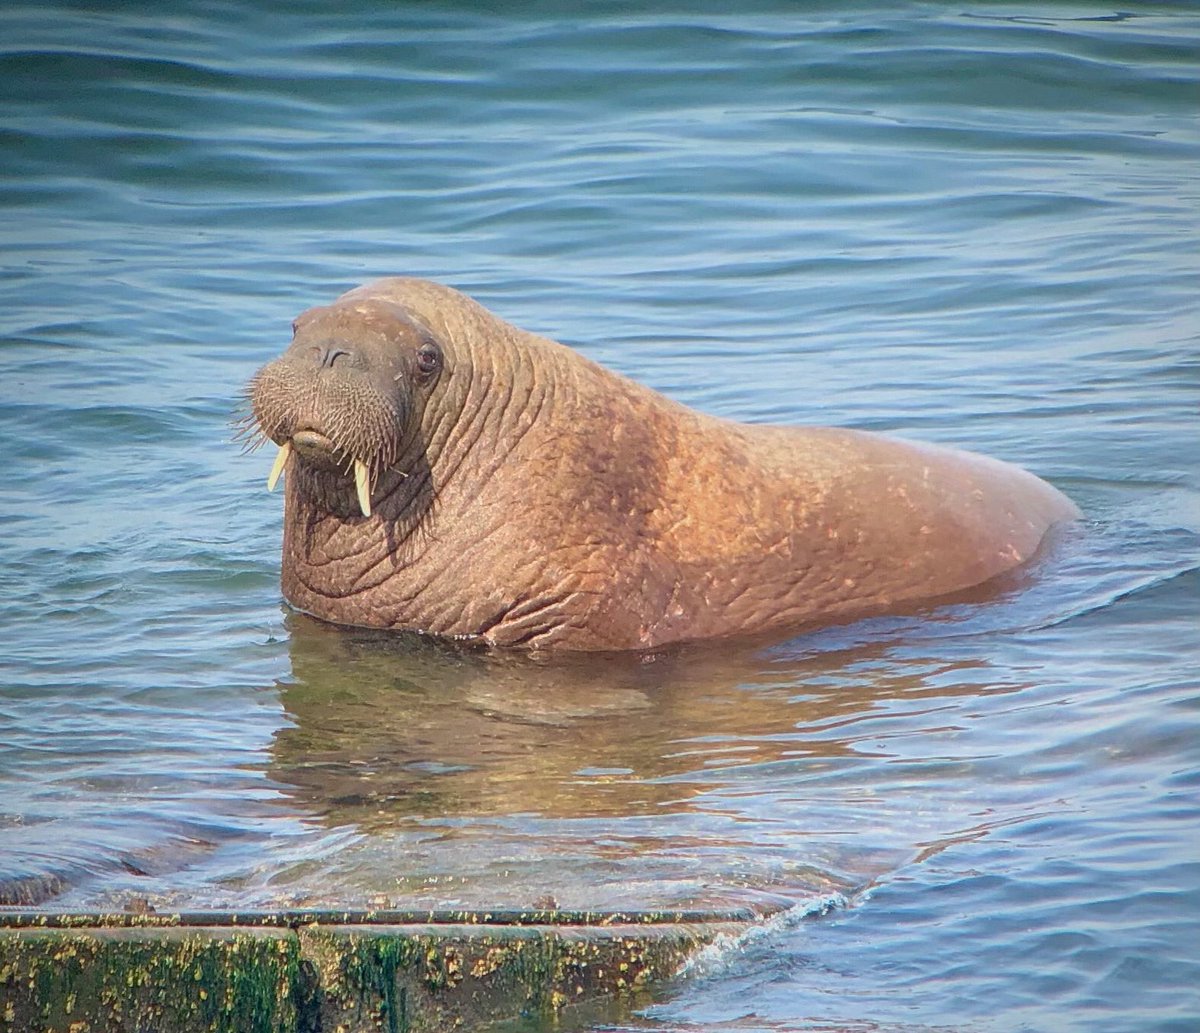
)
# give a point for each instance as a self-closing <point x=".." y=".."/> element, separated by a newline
<point x="429" y="359"/>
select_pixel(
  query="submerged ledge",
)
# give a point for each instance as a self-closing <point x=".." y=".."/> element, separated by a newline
<point x="285" y="971"/>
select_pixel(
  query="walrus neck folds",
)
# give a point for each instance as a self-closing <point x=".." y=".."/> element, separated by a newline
<point x="475" y="412"/>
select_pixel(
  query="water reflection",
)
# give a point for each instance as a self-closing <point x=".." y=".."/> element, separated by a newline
<point x="389" y="727"/>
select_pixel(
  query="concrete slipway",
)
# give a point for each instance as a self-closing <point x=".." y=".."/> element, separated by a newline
<point x="351" y="972"/>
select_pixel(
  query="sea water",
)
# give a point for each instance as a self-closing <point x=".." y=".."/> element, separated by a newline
<point x="971" y="224"/>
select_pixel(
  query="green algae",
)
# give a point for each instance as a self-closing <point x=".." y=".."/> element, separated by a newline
<point x="440" y="978"/>
<point x="115" y="980"/>
<point x="411" y="978"/>
<point x="355" y="978"/>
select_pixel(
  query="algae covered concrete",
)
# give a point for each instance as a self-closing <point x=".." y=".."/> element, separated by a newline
<point x="92" y="980"/>
<point x="319" y="972"/>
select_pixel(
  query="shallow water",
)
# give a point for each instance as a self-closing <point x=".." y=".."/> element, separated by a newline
<point x="974" y="226"/>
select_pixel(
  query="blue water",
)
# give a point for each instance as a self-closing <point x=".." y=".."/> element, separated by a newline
<point x="974" y="224"/>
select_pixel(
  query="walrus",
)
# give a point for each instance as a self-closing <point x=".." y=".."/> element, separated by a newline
<point x="452" y="474"/>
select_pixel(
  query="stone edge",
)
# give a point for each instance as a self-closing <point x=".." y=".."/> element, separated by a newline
<point x="296" y="973"/>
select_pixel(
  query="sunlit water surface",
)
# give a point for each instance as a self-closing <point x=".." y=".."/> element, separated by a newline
<point x="972" y="224"/>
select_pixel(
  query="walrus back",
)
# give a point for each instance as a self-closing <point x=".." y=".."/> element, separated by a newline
<point x="816" y="524"/>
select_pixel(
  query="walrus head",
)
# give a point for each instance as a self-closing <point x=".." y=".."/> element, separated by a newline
<point x="344" y="400"/>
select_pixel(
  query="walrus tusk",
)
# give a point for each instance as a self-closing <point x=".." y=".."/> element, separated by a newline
<point x="362" y="481"/>
<point x="285" y="450"/>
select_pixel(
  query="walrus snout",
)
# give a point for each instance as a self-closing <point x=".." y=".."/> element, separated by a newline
<point x="343" y="396"/>
<point x="332" y="413"/>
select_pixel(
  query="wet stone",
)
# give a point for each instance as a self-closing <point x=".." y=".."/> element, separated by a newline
<point x="399" y="978"/>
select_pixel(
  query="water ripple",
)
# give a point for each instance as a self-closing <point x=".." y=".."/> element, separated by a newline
<point x="974" y="227"/>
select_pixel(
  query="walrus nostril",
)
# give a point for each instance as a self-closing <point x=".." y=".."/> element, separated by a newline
<point x="330" y="355"/>
<point x="326" y="356"/>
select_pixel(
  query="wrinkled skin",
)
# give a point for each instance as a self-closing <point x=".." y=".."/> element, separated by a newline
<point x="522" y="495"/>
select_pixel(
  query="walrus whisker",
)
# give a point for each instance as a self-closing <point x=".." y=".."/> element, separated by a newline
<point x="248" y="442"/>
<point x="247" y="431"/>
